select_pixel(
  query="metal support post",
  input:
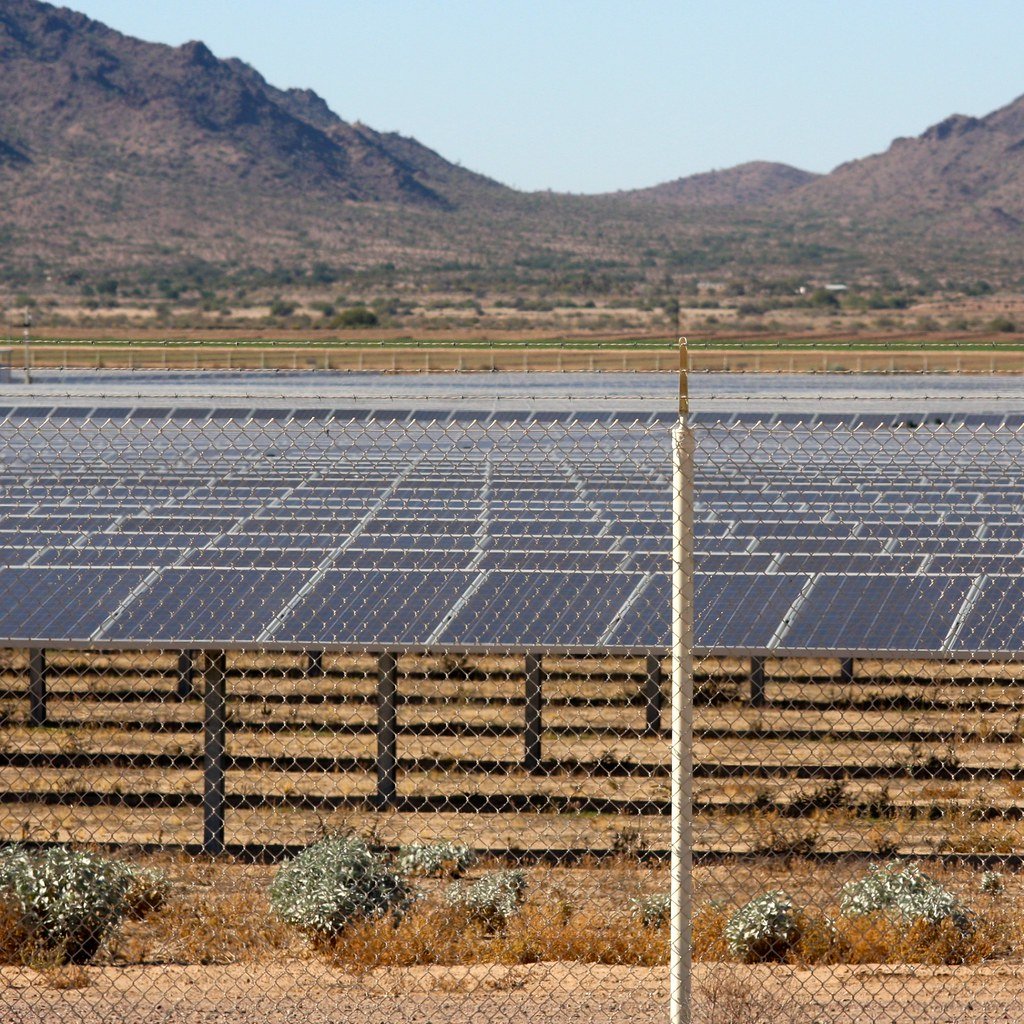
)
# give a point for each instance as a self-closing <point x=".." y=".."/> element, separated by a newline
<point x="37" y="686"/>
<point x="757" y="682"/>
<point x="534" y="715"/>
<point x="214" y="760"/>
<point x="652" y="695"/>
<point x="387" y="730"/>
<point x="314" y="663"/>
<point x="846" y="671"/>
<point x="680" y="946"/>
<point x="186" y="675"/>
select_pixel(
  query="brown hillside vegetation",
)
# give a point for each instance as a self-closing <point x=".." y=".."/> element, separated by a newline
<point x="749" y="184"/>
<point x="964" y="174"/>
<point x="134" y="158"/>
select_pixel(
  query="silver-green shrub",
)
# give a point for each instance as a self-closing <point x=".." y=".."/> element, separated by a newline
<point x="993" y="883"/>
<point x="492" y="899"/>
<point x="67" y="902"/>
<point x="766" y="928"/>
<point x="653" y="910"/>
<point x="443" y="858"/>
<point x="907" y="892"/>
<point x="335" y="882"/>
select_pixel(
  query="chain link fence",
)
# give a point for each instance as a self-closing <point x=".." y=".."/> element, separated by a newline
<point x="321" y="713"/>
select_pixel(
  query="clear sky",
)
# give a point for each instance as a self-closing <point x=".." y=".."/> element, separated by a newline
<point x="595" y="95"/>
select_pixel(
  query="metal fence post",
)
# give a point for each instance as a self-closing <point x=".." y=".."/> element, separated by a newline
<point x="214" y="728"/>
<point x="757" y="682"/>
<point x="387" y="730"/>
<point x="534" y="714"/>
<point x="37" y="686"/>
<point x="652" y="695"/>
<point x="680" y="951"/>
<point x="186" y="675"/>
<point x="314" y="663"/>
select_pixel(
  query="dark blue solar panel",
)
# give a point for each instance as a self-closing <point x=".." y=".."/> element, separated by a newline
<point x="878" y="613"/>
<point x="586" y="502"/>
<point x="373" y="607"/>
<point x="742" y="611"/>
<point x="206" y="606"/>
<point x="400" y="558"/>
<point x="554" y="609"/>
<point x="851" y="564"/>
<point x="995" y="620"/>
<point x="580" y="561"/>
<point x="126" y="556"/>
<point x="61" y="604"/>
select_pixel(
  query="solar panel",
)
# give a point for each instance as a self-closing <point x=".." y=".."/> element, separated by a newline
<point x="370" y="606"/>
<point x="878" y="613"/>
<point x="69" y="604"/>
<point x="528" y="529"/>
<point x="205" y="605"/>
<point x="540" y="609"/>
<point x="995" y="619"/>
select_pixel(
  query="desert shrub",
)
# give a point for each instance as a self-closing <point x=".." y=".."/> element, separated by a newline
<point x="335" y="882"/>
<point x="64" y="903"/>
<point x="356" y="316"/>
<point x="444" y="858"/>
<point x="993" y="883"/>
<point x="766" y="928"/>
<point x="492" y="899"/>
<point x="654" y="910"/>
<point x="906" y="892"/>
<point x="12" y="860"/>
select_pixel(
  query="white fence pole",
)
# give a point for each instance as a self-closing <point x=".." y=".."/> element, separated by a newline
<point x="682" y="704"/>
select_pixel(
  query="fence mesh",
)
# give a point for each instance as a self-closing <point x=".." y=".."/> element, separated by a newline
<point x="314" y="713"/>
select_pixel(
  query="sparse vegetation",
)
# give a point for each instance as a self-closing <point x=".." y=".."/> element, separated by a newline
<point x="491" y="900"/>
<point x="441" y="858"/>
<point x="59" y="905"/>
<point x="765" y="928"/>
<point x="335" y="882"/>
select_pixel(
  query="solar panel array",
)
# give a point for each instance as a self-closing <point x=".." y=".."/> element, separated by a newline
<point x="505" y="530"/>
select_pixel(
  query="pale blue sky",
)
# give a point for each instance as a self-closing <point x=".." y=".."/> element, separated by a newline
<point x="593" y="95"/>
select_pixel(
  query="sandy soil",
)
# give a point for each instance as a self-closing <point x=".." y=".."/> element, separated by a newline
<point x="308" y="992"/>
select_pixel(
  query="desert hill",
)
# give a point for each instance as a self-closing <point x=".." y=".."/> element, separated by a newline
<point x="964" y="173"/>
<point x="750" y="184"/>
<point x="123" y="155"/>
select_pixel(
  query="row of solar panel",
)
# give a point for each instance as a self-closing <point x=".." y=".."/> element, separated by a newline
<point x="503" y="608"/>
<point x="391" y="414"/>
<point x="560" y="539"/>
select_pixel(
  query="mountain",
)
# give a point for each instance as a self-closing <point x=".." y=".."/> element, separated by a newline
<point x="963" y="174"/>
<point x="750" y="184"/>
<point x="105" y="135"/>
<point x="123" y="155"/>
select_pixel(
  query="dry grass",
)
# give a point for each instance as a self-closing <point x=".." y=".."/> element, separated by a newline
<point x="19" y="947"/>
<point x="68" y="976"/>
<point x="14" y="939"/>
<point x="205" y="927"/>
<point x="545" y="930"/>
<point x="874" y="938"/>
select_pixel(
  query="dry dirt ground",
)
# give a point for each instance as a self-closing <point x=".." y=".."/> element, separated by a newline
<point x="307" y="992"/>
